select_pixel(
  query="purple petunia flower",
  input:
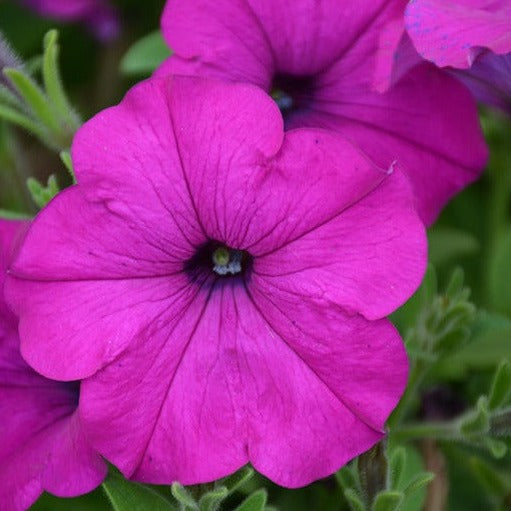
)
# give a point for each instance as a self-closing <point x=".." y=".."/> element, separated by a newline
<point x="98" y="15"/>
<point x="220" y="284"/>
<point x="471" y="36"/>
<point x="319" y="59"/>
<point x="43" y="446"/>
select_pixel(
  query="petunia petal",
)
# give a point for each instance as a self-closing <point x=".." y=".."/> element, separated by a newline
<point x="453" y="33"/>
<point x="319" y="384"/>
<point x="88" y="323"/>
<point x="171" y="401"/>
<point x="43" y="446"/>
<point x="219" y="390"/>
<point x="489" y="79"/>
<point x="427" y="122"/>
<point x="246" y="49"/>
<point x="369" y="258"/>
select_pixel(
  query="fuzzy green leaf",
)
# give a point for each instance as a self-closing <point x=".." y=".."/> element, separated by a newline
<point x="23" y="121"/>
<point x="212" y="500"/>
<point x="420" y="481"/>
<point x="500" y="273"/>
<point x="397" y="462"/>
<point x="501" y="386"/>
<point x="182" y="495"/>
<point x="34" y="97"/>
<point x="354" y="500"/>
<point x="127" y="496"/>
<point x="477" y="422"/>
<point x="238" y="479"/>
<point x="388" y="500"/>
<point x="489" y="478"/>
<point x="13" y="215"/>
<point x="497" y="448"/>
<point x="43" y="194"/>
<point x="53" y="82"/>
<point x="347" y="478"/>
<point x="255" y="502"/>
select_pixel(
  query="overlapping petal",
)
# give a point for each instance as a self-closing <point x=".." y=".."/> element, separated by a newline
<point x="334" y="72"/>
<point x="43" y="445"/>
<point x="453" y="33"/>
<point x="98" y="15"/>
<point x="471" y="38"/>
<point x="426" y="122"/>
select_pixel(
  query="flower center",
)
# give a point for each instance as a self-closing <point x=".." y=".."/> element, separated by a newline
<point x="291" y="92"/>
<point x="220" y="259"/>
<point x="227" y="261"/>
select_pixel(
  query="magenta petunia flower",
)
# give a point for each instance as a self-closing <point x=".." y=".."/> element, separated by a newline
<point x="319" y="60"/>
<point x="472" y="36"/>
<point x="98" y="15"/>
<point x="220" y="285"/>
<point x="43" y="446"/>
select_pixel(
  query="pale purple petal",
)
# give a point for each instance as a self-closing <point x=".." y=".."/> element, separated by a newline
<point x="453" y="33"/>
<point x="99" y="15"/>
<point x="489" y="80"/>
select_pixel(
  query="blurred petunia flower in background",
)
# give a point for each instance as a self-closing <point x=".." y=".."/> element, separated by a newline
<point x="99" y="16"/>
<point x="43" y="446"/>
<point x="319" y="60"/>
<point x="472" y="38"/>
<point x="221" y="284"/>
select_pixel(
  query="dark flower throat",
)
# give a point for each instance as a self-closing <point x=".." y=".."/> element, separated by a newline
<point x="220" y="260"/>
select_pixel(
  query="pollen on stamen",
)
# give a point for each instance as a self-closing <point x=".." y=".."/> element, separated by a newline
<point x="227" y="261"/>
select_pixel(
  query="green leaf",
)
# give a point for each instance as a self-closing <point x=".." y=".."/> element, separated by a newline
<point x="346" y="478"/>
<point x="354" y="500"/>
<point x="406" y="316"/>
<point x="65" y="157"/>
<point x="500" y="273"/>
<point x="255" y="502"/>
<point x="145" y="55"/>
<point x="127" y="496"/>
<point x="182" y="495"/>
<point x="455" y="286"/>
<point x="34" y="97"/>
<point x="23" y="121"/>
<point x="418" y="482"/>
<point x="397" y="462"/>
<point x="43" y="194"/>
<point x="388" y="500"/>
<point x="489" y="478"/>
<point x="497" y="448"/>
<point x="211" y="500"/>
<point x="9" y="98"/>
<point x="449" y="244"/>
<point x="238" y="479"/>
<point x="13" y="215"/>
<point x="53" y="82"/>
<point x="501" y="386"/>
<point x="477" y="422"/>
